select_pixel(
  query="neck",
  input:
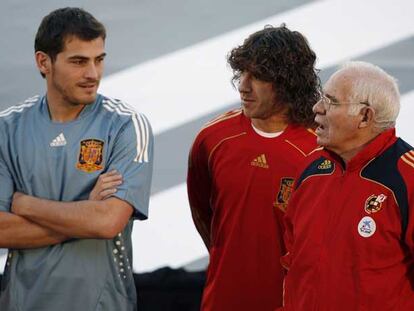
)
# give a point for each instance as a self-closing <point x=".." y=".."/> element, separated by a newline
<point x="349" y="153"/>
<point x="61" y="111"/>
<point x="270" y="125"/>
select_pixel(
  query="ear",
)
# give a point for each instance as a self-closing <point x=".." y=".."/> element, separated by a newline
<point x="367" y="115"/>
<point x="43" y="62"/>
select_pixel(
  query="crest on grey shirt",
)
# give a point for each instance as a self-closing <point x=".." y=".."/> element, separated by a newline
<point x="90" y="155"/>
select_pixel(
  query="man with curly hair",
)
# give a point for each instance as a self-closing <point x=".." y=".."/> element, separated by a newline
<point x="242" y="167"/>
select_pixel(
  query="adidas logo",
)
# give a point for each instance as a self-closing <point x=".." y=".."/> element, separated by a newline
<point x="325" y="165"/>
<point x="58" y="141"/>
<point x="260" y="161"/>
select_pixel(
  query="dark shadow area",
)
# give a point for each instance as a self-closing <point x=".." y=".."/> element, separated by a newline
<point x="168" y="289"/>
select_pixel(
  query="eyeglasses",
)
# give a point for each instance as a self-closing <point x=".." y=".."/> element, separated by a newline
<point x="327" y="102"/>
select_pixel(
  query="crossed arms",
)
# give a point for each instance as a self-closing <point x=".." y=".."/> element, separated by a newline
<point x="36" y="222"/>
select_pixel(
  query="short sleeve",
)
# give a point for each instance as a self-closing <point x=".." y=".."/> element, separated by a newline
<point x="132" y="156"/>
<point x="6" y="186"/>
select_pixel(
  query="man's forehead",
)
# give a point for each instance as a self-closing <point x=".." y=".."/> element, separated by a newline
<point x="75" y="47"/>
<point x="339" y="85"/>
<point x="72" y="41"/>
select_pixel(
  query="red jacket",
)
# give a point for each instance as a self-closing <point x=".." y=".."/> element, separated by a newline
<point x="349" y="232"/>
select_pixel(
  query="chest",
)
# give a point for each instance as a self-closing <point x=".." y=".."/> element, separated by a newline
<point x="348" y="216"/>
<point x="58" y="162"/>
<point x="248" y="166"/>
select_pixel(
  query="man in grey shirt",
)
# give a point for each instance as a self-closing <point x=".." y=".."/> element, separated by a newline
<point x="67" y="249"/>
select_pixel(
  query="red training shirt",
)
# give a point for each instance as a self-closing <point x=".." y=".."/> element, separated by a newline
<point x="238" y="184"/>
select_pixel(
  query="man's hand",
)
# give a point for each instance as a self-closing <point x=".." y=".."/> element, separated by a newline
<point x="106" y="186"/>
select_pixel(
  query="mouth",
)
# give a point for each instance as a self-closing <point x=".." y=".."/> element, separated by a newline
<point x="320" y="127"/>
<point x="88" y="85"/>
<point x="247" y="101"/>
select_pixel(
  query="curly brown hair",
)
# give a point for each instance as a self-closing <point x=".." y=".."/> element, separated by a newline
<point x="283" y="57"/>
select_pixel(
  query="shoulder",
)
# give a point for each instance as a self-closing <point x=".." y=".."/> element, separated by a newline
<point x="394" y="169"/>
<point x="302" y="139"/>
<point x="398" y="156"/>
<point x="13" y="113"/>
<point x="118" y="108"/>
<point x="321" y="166"/>
<point x="121" y="113"/>
<point x="405" y="154"/>
<point x="224" y="126"/>
<point x="224" y="119"/>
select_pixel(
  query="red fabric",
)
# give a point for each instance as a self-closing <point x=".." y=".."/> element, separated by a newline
<point x="231" y="185"/>
<point x="331" y="265"/>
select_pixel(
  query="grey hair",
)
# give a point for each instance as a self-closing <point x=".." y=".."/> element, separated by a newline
<point x="373" y="85"/>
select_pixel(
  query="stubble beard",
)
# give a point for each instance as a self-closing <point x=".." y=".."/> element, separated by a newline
<point x="70" y="99"/>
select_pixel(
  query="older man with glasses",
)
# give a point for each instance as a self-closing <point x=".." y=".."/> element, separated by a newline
<point x="349" y="226"/>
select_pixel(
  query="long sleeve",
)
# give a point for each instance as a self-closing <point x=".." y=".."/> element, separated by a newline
<point x="199" y="186"/>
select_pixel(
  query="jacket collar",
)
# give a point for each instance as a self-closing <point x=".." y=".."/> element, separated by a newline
<point x="376" y="147"/>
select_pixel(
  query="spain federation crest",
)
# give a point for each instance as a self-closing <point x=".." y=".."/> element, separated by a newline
<point x="90" y="155"/>
<point x="285" y="190"/>
<point x="374" y="203"/>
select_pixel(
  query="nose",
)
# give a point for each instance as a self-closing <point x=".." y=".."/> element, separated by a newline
<point x="319" y="107"/>
<point x="92" y="72"/>
<point x="245" y="83"/>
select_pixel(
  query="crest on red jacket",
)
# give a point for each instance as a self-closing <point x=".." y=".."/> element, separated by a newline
<point x="374" y="203"/>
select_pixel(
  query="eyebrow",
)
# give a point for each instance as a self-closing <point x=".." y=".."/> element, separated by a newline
<point x="333" y="98"/>
<point x="86" y="58"/>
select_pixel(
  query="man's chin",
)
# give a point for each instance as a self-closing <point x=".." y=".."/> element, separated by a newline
<point x="84" y="100"/>
<point x="88" y="99"/>
<point x="321" y="142"/>
<point x="247" y="113"/>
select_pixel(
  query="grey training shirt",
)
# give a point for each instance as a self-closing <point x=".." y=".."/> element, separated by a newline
<point x="61" y="162"/>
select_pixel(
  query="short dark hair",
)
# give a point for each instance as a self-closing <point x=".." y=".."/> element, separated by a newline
<point x="58" y="25"/>
<point x="283" y="57"/>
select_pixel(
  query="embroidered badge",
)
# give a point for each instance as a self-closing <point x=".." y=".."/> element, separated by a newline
<point x="325" y="165"/>
<point x="285" y="190"/>
<point x="90" y="155"/>
<point x="366" y="227"/>
<point x="374" y="203"/>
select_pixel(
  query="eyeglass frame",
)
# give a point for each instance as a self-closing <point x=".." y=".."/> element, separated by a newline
<point x="328" y="102"/>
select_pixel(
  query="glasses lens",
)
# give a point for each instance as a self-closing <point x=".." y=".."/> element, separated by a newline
<point x="325" y="101"/>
